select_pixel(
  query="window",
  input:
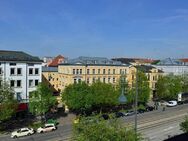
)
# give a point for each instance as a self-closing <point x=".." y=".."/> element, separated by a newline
<point x="19" y="71"/>
<point x="36" y="82"/>
<point x="120" y="71"/>
<point x="93" y="79"/>
<point x="104" y="71"/>
<point x="77" y="71"/>
<point x="80" y="71"/>
<point x="87" y="80"/>
<point x="104" y="79"/>
<point x="98" y="78"/>
<point x="18" y="96"/>
<point x="114" y="71"/>
<point x="114" y="79"/>
<point x="99" y="71"/>
<point x="108" y="71"/>
<point x="87" y="71"/>
<point x="0" y="71"/>
<point x="74" y="81"/>
<point x="18" y="83"/>
<point x="12" y="83"/>
<point x="36" y="71"/>
<point x="108" y="79"/>
<point x="73" y="71"/>
<point x="12" y="71"/>
<point x="12" y="64"/>
<point x="93" y="71"/>
<point x="30" y="71"/>
<point x="30" y="83"/>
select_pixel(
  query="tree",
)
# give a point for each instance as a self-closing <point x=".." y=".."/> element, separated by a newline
<point x="143" y="88"/>
<point x="82" y="97"/>
<point x="185" y="83"/>
<point x="104" y="94"/>
<point x="78" y="96"/>
<point x="41" y="100"/>
<point x="8" y="105"/>
<point x="93" y="129"/>
<point x="168" y="87"/>
<point x="184" y="125"/>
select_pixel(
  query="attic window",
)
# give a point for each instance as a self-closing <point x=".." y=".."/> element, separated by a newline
<point x="12" y="64"/>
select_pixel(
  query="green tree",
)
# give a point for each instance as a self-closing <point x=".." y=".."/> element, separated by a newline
<point x="82" y="97"/>
<point x="168" y="87"/>
<point x="104" y="94"/>
<point x="41" y="100"/>
<point x="184" y="125"/>
<point x="8" y="105"/>
<point x="78" y="96"/>
<point x="93" y="129"/>
<point x="185" y="83"/>
<point x="143" y="88"/>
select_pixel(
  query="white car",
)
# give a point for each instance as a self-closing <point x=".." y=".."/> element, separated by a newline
<point x="22" y="132"/>
<point x="46" y="128"/>
<point x="172" y="103"/>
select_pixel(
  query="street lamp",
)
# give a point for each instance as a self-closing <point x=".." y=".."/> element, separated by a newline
<point x="122" y="98"/>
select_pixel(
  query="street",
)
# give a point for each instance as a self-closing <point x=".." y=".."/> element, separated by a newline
<point x="154" y="126"/>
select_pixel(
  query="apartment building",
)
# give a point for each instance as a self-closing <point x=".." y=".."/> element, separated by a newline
<point x="22" y="71"/>
<point x="88" y="69"/>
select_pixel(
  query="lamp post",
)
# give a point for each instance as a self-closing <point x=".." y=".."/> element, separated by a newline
<point x="136" y="103"/>
<point x="122" y="98"/>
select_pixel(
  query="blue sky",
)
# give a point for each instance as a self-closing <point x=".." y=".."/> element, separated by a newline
<point x="106" y="28"/>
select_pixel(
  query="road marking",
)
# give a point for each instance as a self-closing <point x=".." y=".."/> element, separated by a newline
<point x="169" y="128"/>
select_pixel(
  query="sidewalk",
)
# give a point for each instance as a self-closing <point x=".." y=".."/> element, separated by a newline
<point x="67" y="120"/>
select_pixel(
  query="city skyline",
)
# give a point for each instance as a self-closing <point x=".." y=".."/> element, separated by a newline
<point x="141" y="29"/>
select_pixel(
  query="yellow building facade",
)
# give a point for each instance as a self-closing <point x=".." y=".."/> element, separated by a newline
<point x="94" y="69"/>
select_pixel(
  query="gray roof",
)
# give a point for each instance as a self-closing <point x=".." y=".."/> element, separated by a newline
<point x="147" y="69"/>
<point x="169" y="61"/>
<point x="49" y="69"/>
<point x="93" y="61"/>
<point x="17" y="56"/>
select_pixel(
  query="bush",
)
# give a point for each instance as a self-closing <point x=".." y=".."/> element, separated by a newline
<point x="184" y="125"/>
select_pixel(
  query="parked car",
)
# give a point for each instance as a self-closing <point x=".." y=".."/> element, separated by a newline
<point x="140" y="111"/>
<point x="172" y="103"/>
<point x="46" y="128"/>
<point x="130" y="113"/>
<point x="119" y="114"/>
<point x="149" y="108"/>
<point x="22" y="132"/>
<point x="105" y="116"/>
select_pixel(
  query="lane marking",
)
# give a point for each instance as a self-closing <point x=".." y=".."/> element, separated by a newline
<point x="169" y="128"/>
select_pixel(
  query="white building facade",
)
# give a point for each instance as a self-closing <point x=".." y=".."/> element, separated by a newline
<point x="172" y="66"/>
<point x="22" y="71"/>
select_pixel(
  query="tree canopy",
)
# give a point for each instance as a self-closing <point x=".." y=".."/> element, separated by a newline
<point x="8" y="104"/>
<point x="41" y="100"/>
<point x="168" y="87"/>
<point x="101" y="130"/>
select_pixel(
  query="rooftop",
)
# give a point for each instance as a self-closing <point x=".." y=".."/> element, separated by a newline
<point x="146" y="69"/>
<point x="17" y="56"/>
<point x="93" y="61"/>
<point x="56" y="61"/>
<point x="49" y="69"/>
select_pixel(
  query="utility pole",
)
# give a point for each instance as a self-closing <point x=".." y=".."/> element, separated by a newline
<point x="136" y="103"/>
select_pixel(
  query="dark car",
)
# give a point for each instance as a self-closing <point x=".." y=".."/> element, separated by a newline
<point x="105" y="116"/>
<point x="149" y="108"/>
<point x="140" y="111"/>
<point x="119" y="114"/>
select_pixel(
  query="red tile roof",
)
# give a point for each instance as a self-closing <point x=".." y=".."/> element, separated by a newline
<point x="184" y="60"/>
<point x="56" y="61"/>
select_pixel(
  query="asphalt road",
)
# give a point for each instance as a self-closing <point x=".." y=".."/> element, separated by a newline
<point x="154" y="126"/>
